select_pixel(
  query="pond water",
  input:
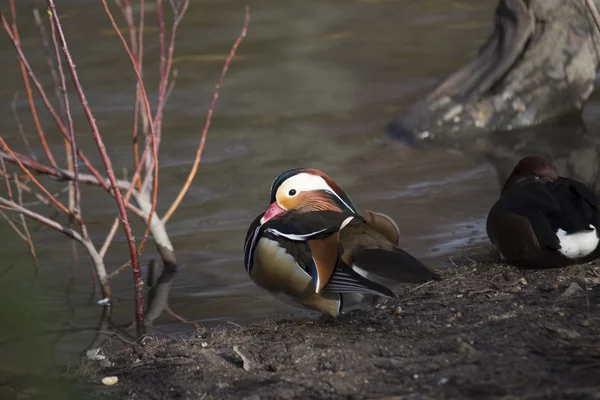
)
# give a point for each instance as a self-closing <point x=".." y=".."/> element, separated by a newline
<point x="313" y="84"/>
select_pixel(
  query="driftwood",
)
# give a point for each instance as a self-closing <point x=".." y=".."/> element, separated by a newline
<point x="538" y="65"/>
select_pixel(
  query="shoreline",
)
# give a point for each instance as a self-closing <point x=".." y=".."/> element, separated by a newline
<point x="486" y="331"/>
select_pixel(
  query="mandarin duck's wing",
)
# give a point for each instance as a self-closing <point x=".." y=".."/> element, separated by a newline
<point x="318" y="232"/>
<point x="368" y="252"/>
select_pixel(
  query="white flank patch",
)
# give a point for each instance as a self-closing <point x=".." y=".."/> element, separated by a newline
<point x="578" y="244"/>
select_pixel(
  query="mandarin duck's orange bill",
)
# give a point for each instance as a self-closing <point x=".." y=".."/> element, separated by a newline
<point x="313" y="248"/>
<point x="543" y="220"/>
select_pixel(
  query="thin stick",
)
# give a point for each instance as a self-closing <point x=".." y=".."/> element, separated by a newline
<point x="24" y="223"/>
<point x="37" y="183"/>
<point x="164" y="79"/>
<point x="13" y="107"/>
<point x="13" y="226"/>
<point x="137" y="275"/>
<point x="49" y="59"/>
<point x="194" y="169"/>
<point x="5" y="173"/>
<point x="138" y="106"/>
<point x="71" y="154"/>
<point x="32" y="107"/>
<point x="161" y="40"/>
<point x="76" y="209"/>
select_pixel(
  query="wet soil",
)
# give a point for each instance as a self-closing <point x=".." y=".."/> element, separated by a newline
<point x="485" y="331"/>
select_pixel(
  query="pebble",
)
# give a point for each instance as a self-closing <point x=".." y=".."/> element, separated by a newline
<point x="110" y="380"/>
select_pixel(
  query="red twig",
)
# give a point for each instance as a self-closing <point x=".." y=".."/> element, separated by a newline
<point x="194" y="169"/>
<point x="161" y="39"/>
<point x="36" y="120"/>
<point x="137" y="276"/>
<point x="137" y="109"/>
<point x="164" y="78"/>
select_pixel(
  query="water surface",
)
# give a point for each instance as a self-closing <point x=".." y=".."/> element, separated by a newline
<point x="313" y="84"/>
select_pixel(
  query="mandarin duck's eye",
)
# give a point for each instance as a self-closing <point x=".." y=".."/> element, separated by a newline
<point x="292" y="192"/>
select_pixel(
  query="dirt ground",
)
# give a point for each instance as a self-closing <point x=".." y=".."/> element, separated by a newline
<point x="485" y="331"/>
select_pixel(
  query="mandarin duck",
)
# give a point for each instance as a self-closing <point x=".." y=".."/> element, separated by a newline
<point x="543" y="220"/>
<point x="312" y="247"/>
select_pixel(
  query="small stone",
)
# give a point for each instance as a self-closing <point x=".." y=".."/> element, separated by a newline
<point x="573" y="288"/>
<point x="585" y="322"/>
<point x="443" y="381"/>
<point x="110" y="380"/>
<point x="398" y="310"/>
<point x="567" y="333"/>
<point x="204" y="344"/>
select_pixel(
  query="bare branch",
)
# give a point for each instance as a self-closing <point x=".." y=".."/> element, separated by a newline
<point x="194" y="169"/>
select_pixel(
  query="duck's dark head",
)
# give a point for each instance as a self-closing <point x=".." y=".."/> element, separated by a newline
<point x="305" y="190"/>
<point x="531" y="169"/>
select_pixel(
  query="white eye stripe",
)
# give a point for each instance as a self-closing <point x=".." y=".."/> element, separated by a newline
<point x="304" y="182"/>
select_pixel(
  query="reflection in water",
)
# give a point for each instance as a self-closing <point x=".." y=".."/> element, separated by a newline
<point x="313" y="85"/>
<point x="567" y="144"/>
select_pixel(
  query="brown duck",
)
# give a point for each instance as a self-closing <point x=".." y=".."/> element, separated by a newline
<point x="543" y="220"/>
<point x="311" y="247"/>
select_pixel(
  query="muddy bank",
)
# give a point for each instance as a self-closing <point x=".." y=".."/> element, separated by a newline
<point x="486" y="331"/>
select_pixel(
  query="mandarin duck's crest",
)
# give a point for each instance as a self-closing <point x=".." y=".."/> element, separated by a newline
<point x="312" y="247"/>
<point x="543" y="220"/>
